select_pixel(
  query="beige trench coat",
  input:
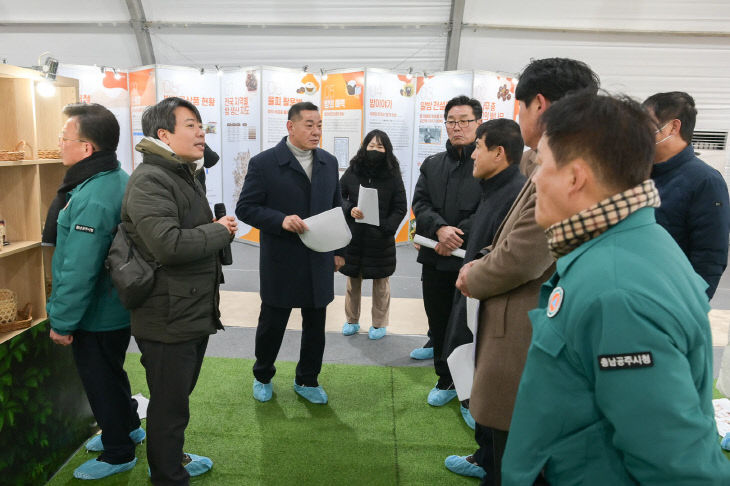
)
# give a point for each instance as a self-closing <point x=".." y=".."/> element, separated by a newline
<point x="507" y="281"/>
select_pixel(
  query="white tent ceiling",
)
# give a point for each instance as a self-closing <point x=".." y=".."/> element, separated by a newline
<point x="638" y="47"/>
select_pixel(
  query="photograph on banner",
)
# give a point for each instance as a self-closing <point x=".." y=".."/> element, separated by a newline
<point x="241" y="125"/>
<point x="107" y="87"/>
<point x="203" y="91"/>
<point x="496" y="92"/>
<point x="142" y="93"/>
<point x="282" y="88"/>
<point x="432" y="95"/>
<point x="343" y="93"/>
<point x="390" y="100"/>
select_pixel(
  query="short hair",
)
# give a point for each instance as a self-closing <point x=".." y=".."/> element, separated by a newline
<point x="614" y="135"/>
<point x="554" y="78"/>
<point x="162" y="115"/>
<point x="464" y="100"/>
<point x="503" y="132"/>
<point x="671" y="105"/>
<point x="96" y="124"/>
<point x="297" y="108"/>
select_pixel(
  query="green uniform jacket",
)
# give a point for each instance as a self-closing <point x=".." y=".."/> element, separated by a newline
<point x="83" y="296"/>
<point x="617" y="388"/>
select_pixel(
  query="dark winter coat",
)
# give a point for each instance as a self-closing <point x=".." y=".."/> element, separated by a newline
<point x="371" y="253"/>
<point x="276" y="186"/>
<point x="694" y="210"/>
<point x="498" y="194"/>
<point x="167" y="216"/>
<point x="446" y="194"/>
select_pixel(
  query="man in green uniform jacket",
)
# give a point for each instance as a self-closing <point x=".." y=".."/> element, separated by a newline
<point x="617" y="388"/>
<point x="84" y="308"/>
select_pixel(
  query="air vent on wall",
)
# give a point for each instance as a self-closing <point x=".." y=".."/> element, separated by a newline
<point x="707" y="140"/>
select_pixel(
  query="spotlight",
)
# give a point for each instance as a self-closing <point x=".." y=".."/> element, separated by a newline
<point x="218" y="70"/>
<point x="323" y="73"/>
<point x="50" y="68"/>
<point x="117" y="76"/>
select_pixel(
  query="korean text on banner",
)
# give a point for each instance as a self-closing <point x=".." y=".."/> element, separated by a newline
<point x="342" y="111"/>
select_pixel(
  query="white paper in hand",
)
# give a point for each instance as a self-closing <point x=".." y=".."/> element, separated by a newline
<point x="367" y="201"/>
<point x="327" y="231"/>
<point x="472" y="315"/>
<point x="461" y="365"/>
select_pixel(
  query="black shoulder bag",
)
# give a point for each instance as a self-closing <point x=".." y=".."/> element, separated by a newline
<point x="131" y="274"/>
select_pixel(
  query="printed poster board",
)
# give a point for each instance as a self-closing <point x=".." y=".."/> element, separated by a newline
<point x="241" y="131"/>
<point x="342" y="114"/>
<point x="389" y="106"/>
<point x="142" y="93"/>
<point x="496" y="92"/>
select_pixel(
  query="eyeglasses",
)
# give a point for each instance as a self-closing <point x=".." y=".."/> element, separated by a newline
<point x="462" y="123"/>
<point x="61" y="138"/>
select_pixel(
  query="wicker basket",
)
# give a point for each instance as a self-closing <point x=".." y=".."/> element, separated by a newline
<point x="22" y="321"/>
<point x="49" y="154"/>
<point x="8" y="306"/>
<point x="18" y="153"/>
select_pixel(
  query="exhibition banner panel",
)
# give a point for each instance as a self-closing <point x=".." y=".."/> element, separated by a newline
<point x="110" y="89"/>
<point x="342" y="110"/>
<point x="496" y="92"/>
<point x="282" y="88"/>
<point x="203" y="91"/>
<point x="390" y="101"/>
<point x="142" y="93"/>
<point x="433" y="93"/>
<point x="241" y="130"/>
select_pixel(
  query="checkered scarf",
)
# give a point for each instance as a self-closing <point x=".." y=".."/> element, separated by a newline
<point x="569" y="234"/>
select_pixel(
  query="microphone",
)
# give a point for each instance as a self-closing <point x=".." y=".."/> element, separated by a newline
<point x="219" y="211"/>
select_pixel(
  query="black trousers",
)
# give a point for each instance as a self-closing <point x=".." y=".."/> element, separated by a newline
<point x="492" y="443"/>
<point x="99" y="358"/>
<point x="270" y="333"/>
<point x="172" y="371"/>
<point x="438" y="298"/>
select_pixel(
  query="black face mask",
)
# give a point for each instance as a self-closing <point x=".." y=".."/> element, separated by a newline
<point x="375" y="157"/>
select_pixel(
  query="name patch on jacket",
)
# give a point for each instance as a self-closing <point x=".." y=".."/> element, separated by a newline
<point x="85" y="229"/>
<point x="624" y="361"/>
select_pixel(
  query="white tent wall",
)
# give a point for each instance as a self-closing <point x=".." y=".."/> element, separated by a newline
<point x="638" y="48"/>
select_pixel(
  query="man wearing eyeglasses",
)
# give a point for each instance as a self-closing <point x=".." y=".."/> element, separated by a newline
<point x="84" y="307"/>
<point x="694" y="208"/>
<point x="444" y="202"/>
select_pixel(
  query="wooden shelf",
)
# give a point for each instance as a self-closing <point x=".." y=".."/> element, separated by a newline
<point x="27" y="187"/>
<point x="18" y="163"/>
<point x="6" y="336"/>
<point x="17" y="247"/>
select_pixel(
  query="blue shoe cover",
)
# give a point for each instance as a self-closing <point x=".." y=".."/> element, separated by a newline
<point x="198" y="464"/>
<point x="96" y="445"/>
<point x="94" y="469"/>
<point x="262" y="391"/>
<point x="439" y="398"/>
<point x="314" y="394"/>
<point x="422" y="353"/>
<point x="466" y="415"/>
<point x="459" y="465"/>
<point x="375" y="333"/>
<point x="350" y="329"/>
<point x="725" y="444"/>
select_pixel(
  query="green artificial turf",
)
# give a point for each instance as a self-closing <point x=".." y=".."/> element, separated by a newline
<point x="376" y="430"/>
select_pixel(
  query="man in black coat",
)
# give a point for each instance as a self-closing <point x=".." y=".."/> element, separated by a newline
<point x="444" y="203"/>
<point x="496" y="158"/>
<point x="694" y="196"/>
<point x="284" y="185"/>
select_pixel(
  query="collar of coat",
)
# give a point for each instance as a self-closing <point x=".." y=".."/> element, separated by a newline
<point x="153" y="146"/>
<point x="684" y="156"/>
<point x="466" y="151"/>
<point x="285" y="156"/>
<point x="569" y="234"/>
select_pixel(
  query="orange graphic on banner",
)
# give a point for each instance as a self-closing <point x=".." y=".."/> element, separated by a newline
<point x="111" y="81"/>
<point x="343" y="91"/>
<point x="142" y="87"/>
